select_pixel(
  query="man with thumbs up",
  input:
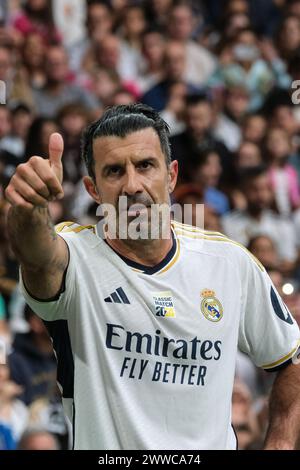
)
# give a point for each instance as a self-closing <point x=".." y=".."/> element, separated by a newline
<point x="42" y="254"/>
<point x="146" y="328"/>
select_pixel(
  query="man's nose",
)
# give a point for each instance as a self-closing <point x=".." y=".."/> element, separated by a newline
<point x="132" y="183"/>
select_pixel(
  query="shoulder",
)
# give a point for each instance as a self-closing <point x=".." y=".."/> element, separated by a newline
<point x="76" y="234"/>
<point x="69" y="226"/>
<point x="216" y="244"/>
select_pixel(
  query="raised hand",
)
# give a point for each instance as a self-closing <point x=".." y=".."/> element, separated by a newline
<point x="39" y="180"/>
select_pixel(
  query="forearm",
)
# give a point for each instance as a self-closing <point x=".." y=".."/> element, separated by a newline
<point x="32" y="236"/>
<point x="284" y="420"/>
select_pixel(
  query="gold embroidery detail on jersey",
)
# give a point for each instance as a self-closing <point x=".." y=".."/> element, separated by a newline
<point x="59" y="227"/>
<point x="67" y="227"/>
<point x="198" y="236"/>
<point x="193" y="229"/>
<point x="79" y="228"/>
<point x="211" y="307"/>
<point x="175" y="257"/>
<point x="283" y="359"/>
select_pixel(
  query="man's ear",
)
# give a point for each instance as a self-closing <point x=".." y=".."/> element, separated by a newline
<point x="91" y="188"/>
<point x="172" y="177"/>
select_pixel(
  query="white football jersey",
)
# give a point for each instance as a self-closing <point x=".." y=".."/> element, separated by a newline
<point x="146" y="356"/>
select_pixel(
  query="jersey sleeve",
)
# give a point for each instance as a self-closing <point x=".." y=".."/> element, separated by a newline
<point x="58" y="307"/>
<point x="267" y="332"/>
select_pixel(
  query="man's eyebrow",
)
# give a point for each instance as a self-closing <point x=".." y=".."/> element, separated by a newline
<point x="146" y="159"/>
<point x="137" y="160"/>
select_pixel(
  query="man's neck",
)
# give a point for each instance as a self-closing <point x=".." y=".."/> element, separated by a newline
<point x="146" y="252"/>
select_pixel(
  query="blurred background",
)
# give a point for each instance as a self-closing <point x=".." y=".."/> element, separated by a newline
<point x="220" y="72"/>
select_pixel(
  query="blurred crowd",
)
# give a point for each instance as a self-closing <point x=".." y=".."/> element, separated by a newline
<point x="223" y="74"/>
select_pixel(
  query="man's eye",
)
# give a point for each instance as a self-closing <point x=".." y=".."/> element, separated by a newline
<point x="114" y="170"/>
<point x="144" y="165"/>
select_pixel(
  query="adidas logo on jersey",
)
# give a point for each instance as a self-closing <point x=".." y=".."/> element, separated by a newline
<point x="117" y="297"/>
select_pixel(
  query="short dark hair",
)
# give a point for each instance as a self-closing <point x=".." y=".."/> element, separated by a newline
<point x="198" y="98"/>
<point x="119" y="121"/>
<point x="249" y="174"/>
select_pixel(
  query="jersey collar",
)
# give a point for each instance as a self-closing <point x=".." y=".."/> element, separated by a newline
<point x="167" y="262"/>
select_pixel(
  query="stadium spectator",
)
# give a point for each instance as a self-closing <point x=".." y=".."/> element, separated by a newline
<point x="254" y="128"/>
<point x="33" y="60"/>
<point x="104" y="83"/>
<point x="289" y="37"/>
<point x="133" y="25"/>
<point x="264" y="249"/>
<point x="173" y="113"/>
<point x="158" y="11"/>
<point x="14" y="141"/>
<point x="247" y="67"/>
<point x="32" y="362"/>
<point x="72" y="119"/>
<point x="189" y="197"/>
<point x="38" y="135"/>
<point x="206" y="173"/>
<point x="113" y="53"/>
<point x="283" y="176"/>
<point x="13" y="412"/>
<point x="175" y="58"/>
<point x="228" y="123"/>
<point x="248" y="155"/>
<point x="57" y="91"/>
<point x="198" y="136"/>
<point x="37" y="17"/>
<point x="38" y="440"/>
<point x="244" y="420"/>
<point x="199" y="64"/>
<point x="259" y="218"/>
<point x="151" y="68"/>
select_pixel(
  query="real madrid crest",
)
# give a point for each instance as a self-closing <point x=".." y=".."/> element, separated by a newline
<point x="211" y="307"/>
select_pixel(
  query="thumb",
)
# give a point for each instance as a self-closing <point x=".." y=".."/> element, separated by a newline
<point x="56" y="148"/>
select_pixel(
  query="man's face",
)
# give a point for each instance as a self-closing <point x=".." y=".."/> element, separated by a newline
<point x="154" y="47"/>
<point x="99" y="21"/>
<point x="264" y="250"/>
<point x="248" y="155"/>
<point x="56" y="65"/>
<point x="109" y="52"/>
<point x="209" y="173"/>
<point x="175" y="60"/>
<point x="199" y="118"/>
<point x="181" y="23"/>
<point x="237" y="102"/>
<point x="133" y="166"/>
<point x="258" y="193"/>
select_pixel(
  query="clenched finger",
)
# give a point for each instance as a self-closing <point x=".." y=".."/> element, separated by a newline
<point x="16" y="199"/>
<point x="27" y="192"/>
<point x="46" y="174"/>
<point x="28" y="174"/>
